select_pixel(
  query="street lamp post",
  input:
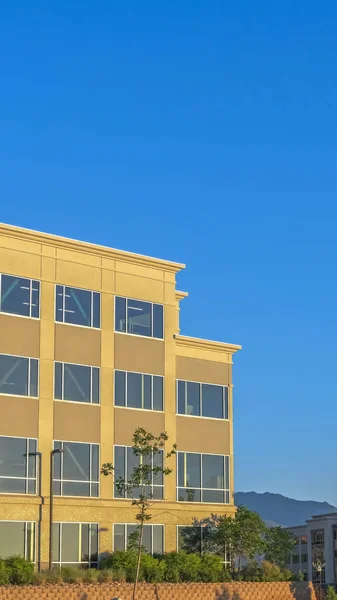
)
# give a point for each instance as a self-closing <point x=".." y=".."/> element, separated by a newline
<point x="51" y="504"/>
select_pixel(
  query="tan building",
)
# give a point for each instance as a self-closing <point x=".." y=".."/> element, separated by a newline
<point x="89" y="350"/>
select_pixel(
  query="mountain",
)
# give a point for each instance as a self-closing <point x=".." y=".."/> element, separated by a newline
<point x="281" y="510"/>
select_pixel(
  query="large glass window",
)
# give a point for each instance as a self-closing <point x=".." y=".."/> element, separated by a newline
<point x="126" y="461"/>
<point x="203" y="478"/>
<point x="75" y="544"/>
<point x="139" y="318"/>
<point x="76" y="383"/>
<point x="153" y="537"/>
<point x="202" y="399"/>
<point x="77" y="307"/>
<point x="18" y="375"/>
<point x="318" y="556"/>
<point x="18" y="465"/>
<point x="19" y="296"/>
<point x="76" y="469"/>
<point x="137" y="390"/>
<point x="17" y="538"/>
<point x="194" y="539"/>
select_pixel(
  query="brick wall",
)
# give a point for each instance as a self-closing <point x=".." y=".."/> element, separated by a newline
<point x="226" y="591"/>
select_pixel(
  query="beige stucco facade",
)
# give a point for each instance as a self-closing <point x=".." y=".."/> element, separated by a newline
<point x="53" y="260"/>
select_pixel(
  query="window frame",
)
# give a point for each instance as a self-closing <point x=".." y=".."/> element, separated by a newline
<point x="29" y="358"/>
<point x="91" y="367"/>
<point x="91" y="292"/>
<point x="148" y="337"/>
<point x="90" y="481"/>
<point x="34" y="524"/>
<point x="125" y="497"/>
<point x="224" y="490"/>
<point x="126" y="391"/>
<point x="136" y="525"/>
<point x="201" y="416"/>
<point x="26" y="478"/>
<point x="30" y="297"/>
<point x="90" y="564"/>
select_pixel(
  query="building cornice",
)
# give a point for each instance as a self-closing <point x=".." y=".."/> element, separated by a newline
<point x="199" y="344"/>
<point x="88" y="248"/>
<point x="181" y="295"/>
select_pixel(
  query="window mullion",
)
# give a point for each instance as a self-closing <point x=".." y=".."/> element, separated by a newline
<point x="64" y="304"/>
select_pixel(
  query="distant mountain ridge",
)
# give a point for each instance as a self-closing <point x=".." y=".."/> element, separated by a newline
<point x="276" y="509"/>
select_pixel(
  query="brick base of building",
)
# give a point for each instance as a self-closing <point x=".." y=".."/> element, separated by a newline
<point x="165" y="591"/>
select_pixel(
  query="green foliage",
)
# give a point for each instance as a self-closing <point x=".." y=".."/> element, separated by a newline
<point x="4" y="573"/>
<point x="89" y="575"/>
<point x="265" y="571"/>
<point x="71" y="574"/>
<point x="53" y="576"/>
<point x="330" y="594"/>
<point x="152" y="569"/>
<point x="122" y="562"/>
<point x="21" y="571"/>
<point x="278" y="545"/>
<point x="211" y="569"/>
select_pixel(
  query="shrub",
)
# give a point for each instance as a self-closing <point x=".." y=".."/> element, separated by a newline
<point x="40" y="578"/>
<point x="21" y="571"/>
<point x="121" y="561"/>
<point x="105" y="576"/>
<point x="71" y="574"/>
<point x="330" y="593"/>
<point x="211" y="568"/>
<point x="4" y="573"/>
<point x="152" y="570"/>
<point x="89" y="576"/>
<point x="172" y="562"/>
<point x="271" y="572"/>
<point x="181" y="567"/>
<point x="53" y="576"/>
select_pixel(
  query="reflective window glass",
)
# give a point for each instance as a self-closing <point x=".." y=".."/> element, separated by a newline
<point x="18" y="458"/>
<point x="19" y="296"/>
<point x="139" y="318"/>
<point x="212" y="401"/>
<point x="17" y="538"/>
<point x="77" y="468"/>
<point x="77" y="307"/>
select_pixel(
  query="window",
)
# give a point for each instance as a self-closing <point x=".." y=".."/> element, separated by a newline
<point x="203" y="478"/>
<point x="194" y="539"/>
<point x="137" y="390"/>
<point x="153" y="537"/>
<point x="202" y="400"/>
<point x="296" y="559"/>
<point x="126" y="461"/>
<point x="17" y="538"/>
<point x="318" y="556"/>
<point x="75" y="544"/>
<point x="19" y="296"/>
<point x="77" y="307"/>
<point x="304" y="539"/>
<point x="76" y="469"/>
<point x="304" y="558"/>
<point x="18" y="465"/>
<point x="76" y="383"/>
<point x="139" y="318"/>
<point x="18" y="375"/>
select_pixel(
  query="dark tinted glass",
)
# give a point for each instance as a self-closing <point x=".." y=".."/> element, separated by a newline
<point x="225" y="391"/>
<point x="94" y="462"/>
<point x="77" y="383"/>
<point x="15" y="295"/>
<point x="212" y="471"/>
<point x="147" y="538"/>
<point x="12" y="486"/>
<point x="158" y="458"/>
<point x="94" y="490"/>
<point x="76" y="489"/>
<point x="13" y="375"/>
<point x="13" y="456"/>
<point x="96" y="310"/>
<point x="93" y="535"/>
<point x="77" y="309"/>
<point x="158" y="321"/>
<point x="120" y="314"/>
<point x="35" y="305"/>
<point x="212" y="401"/>
<point x="181" y="469"/>
<point x="56" y="542"/>
<point x="132" y="461"/>
<point x="193" y="398"/>
<point x="70" y="542"/>
<point x="193" y="473"/>
<point x="212" y="496"/>
<point x="181" y="397"/>
<point x="33" y="388"/>
<point x="139" y="317"/>
<point x="226" y="472"/>
<point x="119" y="465"/>
<point x="84" y="542"/>
<point x="12" y="539"/>
<point x="189" y="495"/>
<point x="147" y="392"/>
<point x="189" y="539"/>
<point x="76" y="461"/>
<point x="119" y="537"/>
<point x="95" y="385"/>
<point x="59" y="303"/>
<point x="120" y="388"/>
<point x="158" y="539"/>
<point x="134" y="390"/>
<point x="157" y="393"/>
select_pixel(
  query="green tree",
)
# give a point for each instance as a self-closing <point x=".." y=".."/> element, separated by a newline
<point x="330" y="593"/>
<point x="150" y="469"/>
<point x="279" y="543"/>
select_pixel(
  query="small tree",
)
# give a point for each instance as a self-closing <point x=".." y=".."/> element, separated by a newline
<point x="248" y="534"/>
<point x="148" y="449"/>
<point x="279" y="543"/>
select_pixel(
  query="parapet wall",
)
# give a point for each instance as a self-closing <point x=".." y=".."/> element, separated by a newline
<point x="191" y="591"/>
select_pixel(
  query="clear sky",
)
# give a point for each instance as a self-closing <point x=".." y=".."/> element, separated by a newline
<point x="202" y="132"/>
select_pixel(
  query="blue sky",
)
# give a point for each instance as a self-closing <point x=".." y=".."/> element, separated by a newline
<point x="201" y="132"/>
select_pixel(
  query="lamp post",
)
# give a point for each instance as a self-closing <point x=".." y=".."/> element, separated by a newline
<point x="51" y="504"/>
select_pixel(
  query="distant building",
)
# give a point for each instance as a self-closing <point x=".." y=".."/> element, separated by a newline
<point x="315" y="553"/>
